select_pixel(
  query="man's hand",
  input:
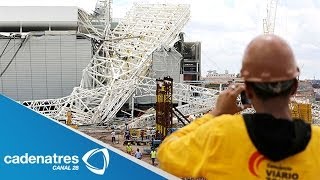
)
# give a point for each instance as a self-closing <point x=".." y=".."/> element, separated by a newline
<point x="227" y="101"/>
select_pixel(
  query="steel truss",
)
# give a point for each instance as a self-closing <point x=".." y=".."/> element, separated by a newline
<point x="99" y="22"/>
<point x="111" y="76"/>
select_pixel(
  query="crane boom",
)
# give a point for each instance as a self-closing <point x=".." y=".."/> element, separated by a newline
<point x="269" y="21"/>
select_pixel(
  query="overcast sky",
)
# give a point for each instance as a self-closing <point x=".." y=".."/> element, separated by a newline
<point x="226" y="26"/>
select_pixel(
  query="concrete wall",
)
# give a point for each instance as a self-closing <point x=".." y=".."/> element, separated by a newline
<point x="49" y="65"/>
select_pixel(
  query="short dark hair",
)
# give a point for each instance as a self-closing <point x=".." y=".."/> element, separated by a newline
<point x="266" y="91"/>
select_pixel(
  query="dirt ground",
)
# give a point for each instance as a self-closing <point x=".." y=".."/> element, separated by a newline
<point x="104" y="135"/>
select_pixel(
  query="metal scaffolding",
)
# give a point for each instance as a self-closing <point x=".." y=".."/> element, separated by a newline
<point x="164" y="107"/>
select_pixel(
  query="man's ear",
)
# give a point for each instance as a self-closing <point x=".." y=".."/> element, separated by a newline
<point x="249" y="90"/>
<point x="294" y="87"/>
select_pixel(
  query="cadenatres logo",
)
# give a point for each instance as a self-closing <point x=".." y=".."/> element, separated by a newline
<point x="99" y="171"/>
<point x="60" y="162"/>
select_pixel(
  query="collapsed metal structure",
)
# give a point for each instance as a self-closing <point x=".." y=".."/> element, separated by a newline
<point x="120" y="66"/>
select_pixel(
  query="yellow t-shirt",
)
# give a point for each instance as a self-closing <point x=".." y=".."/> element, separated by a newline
<point x="220" y="148"/>
<point x="153" y="154"/>
<point x="129" y="149"/>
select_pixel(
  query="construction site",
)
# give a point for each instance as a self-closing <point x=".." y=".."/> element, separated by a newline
<point x="136" y="77"/>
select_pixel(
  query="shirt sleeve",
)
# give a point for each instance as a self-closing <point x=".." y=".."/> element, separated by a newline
<point x="183" y="152"/>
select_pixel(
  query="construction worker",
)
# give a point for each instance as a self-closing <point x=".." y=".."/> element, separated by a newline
<point x="129" y="149"/>
<point x="113" y="136"/>
<point x="127" y="135"/>
<point x="266" y="145"/>
<point x="141" y="134"/>
<point x="138" y="154"/>
<point x="153" y="155"/>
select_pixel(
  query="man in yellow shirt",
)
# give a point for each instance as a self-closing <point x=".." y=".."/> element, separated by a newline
<point x="129" y="148"/>
<point x="266" y="145"/>
<point x="153" y="155"/>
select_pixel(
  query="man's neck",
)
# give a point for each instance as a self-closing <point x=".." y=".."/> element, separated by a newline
<point x="278" y="108"/>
